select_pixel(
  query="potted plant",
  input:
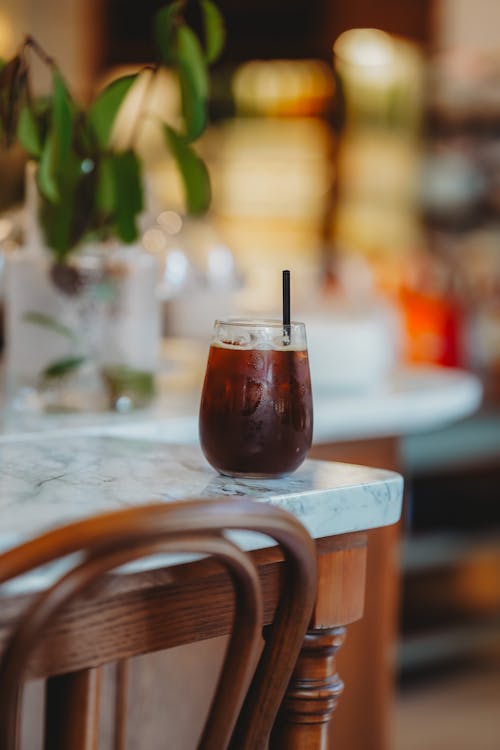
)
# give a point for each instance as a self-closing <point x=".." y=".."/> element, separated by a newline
<point x="81" y="309"/>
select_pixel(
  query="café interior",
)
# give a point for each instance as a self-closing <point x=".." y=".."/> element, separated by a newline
<point x="354" y="144"/>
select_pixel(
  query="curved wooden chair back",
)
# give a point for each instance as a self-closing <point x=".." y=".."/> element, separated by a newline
<point x="247" y="696"/>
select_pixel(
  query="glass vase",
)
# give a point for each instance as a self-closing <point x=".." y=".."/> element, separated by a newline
<point x="81" y="335"/>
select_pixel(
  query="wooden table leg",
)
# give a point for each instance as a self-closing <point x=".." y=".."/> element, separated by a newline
<point x="312" y="695"/>
<point x="315" y="687"/>
<point x="72" y="711"/>
<point x="368" y="656"/>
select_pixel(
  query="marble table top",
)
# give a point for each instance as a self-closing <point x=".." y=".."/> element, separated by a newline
<point x="48" y="483"/>
<point x="412" y="400"/>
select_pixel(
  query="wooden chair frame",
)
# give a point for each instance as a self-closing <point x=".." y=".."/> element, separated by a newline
<point x="247" y="697"/>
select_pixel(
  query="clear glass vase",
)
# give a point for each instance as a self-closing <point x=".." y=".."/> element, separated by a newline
<point x="83" y="335"/>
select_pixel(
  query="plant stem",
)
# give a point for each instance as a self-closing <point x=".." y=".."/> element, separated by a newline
<point x="32" y="43"/>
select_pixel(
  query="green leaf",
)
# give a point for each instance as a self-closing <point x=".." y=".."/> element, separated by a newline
<point x="62" y="122"/>
<point x="193" y="106"/>
<point x="193" y="172"/>
<point x="47" y="181"/>
<point x="180" y="47"/>
<point x="28" y="132"/>
<point x="166" y="24"/>
<point x="190" y="57"/>
<point x="62" y="367"/>
<point x="56" y="150"/>
<point x="40" y="319"/>
<point x="105" y="107"/>
<point x="105" y="194"/>
<point x="56" y="220"/>
<point x="215" y="31"/>
<point x="128" y="194"/>
<point x="193" y="78"/>
<point x="61" y="218"/>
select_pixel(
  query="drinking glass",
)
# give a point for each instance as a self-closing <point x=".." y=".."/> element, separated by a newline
<point x="256" y="405"/>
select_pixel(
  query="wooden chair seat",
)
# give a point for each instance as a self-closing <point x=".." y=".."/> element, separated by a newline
<point x="250" y="688"/>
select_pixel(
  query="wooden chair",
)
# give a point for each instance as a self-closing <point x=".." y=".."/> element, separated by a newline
<point x="249" y="689"/>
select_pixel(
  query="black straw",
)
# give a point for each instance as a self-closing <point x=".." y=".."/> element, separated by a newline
<point x="286" y="307"/>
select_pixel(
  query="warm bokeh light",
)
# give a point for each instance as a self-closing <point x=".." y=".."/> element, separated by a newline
<point x="382" y="78"/>
<point x="7" y="35"/>
<point x="283" y="87"/>
<point x="370" y="49"/>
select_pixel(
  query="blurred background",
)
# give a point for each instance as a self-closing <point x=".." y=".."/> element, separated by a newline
<point x="359" y="144"/>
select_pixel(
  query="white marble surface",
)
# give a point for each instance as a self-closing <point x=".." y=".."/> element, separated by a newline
<point x="414" y="400"/>
<point x="49" y="483"/>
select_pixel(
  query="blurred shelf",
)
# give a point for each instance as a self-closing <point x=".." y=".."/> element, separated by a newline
<point x="469" y="442"/>
<point x="444" y="549"/>
<point x="451" y="560"/>
<point x="436" y="647"/>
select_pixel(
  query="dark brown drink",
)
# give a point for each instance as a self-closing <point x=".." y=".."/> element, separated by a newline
<point x="256" y="410"/>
